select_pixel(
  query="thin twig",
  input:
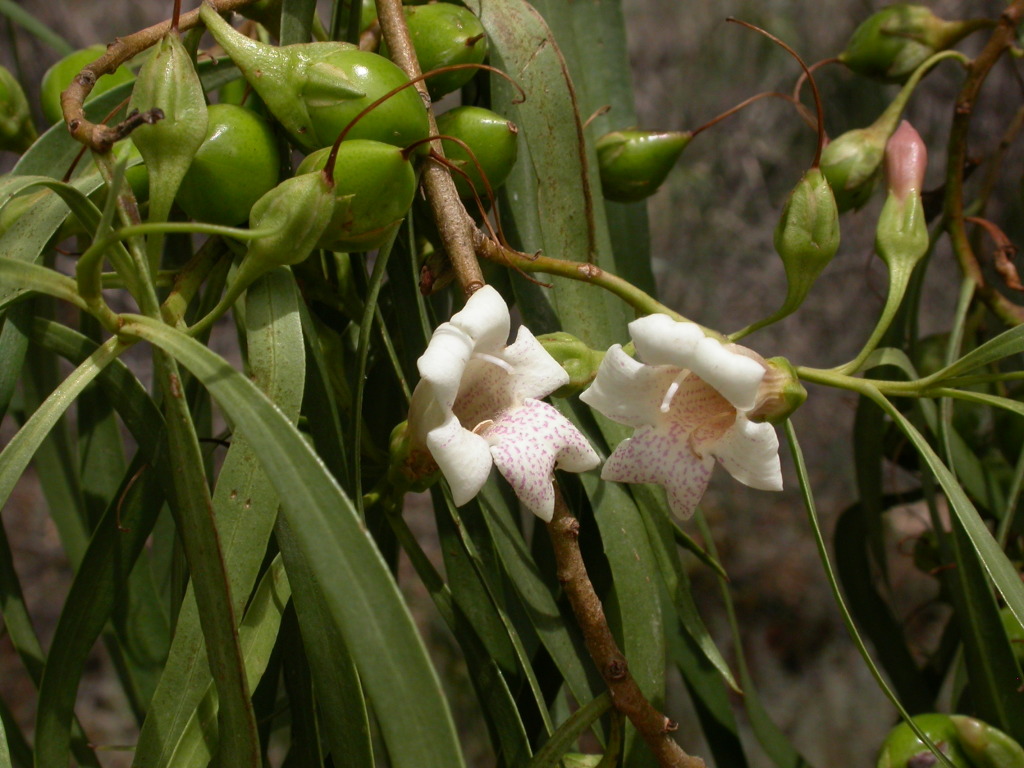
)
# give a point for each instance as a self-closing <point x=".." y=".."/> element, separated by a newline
<point x="652" y="725"/>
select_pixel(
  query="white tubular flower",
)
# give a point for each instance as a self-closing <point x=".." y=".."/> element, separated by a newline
<point x="477" y="404"/>
<point x="688" y="403"/>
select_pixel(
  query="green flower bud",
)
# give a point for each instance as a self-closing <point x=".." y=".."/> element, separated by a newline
<point x="444" y="34"/>
<point x="239" y="147"/>
<point x="491" y="137"/>
<point x="633" y="164"/>
<point x="780" y="394"/>
<point x="896" y="40"/>
<point x="168" y="82"/>
<point x="316" y="89"/>
<point x="852" y="164"/>
<point x="985" y="746"/>
<point x="374" y="185"/>
<point x="901" y="238"/>
<point x="579" y="361"/>
<point x="578" y="760"/>
<point x="16" y="130"/>
<point x="807" y="236"/>
<point x="58" y="77"/>
<point x="903" y="749"/>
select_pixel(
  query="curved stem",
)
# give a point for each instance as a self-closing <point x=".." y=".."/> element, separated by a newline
<point x="1002" y="39"/>
<point x="652" y="725"/>
<point x="454" y="225"/>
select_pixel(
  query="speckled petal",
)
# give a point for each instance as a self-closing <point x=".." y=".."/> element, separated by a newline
<point x="484" y="319"/>
<point x="662" y="456"/>
<point x="660" y="340"/>
<point x="464" y="458"/>
<point x="627" y="391"/>
<point x="537" y="373"/>
<point x="750" y="453"/>
<point x="528" y="442"/>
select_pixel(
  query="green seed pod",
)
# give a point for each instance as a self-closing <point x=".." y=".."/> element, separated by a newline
<point x="807" y="236"/>
<point x="59" y="77"/>
<point x="16" y="130"/>
<point x="168" y="82"/>
<point x="896" y="40"/>
<point x="985" y="746"/>
<point x="234" y="167"/>
<point x="316" y="89"/>
<point x="492" y="139"/>
<point x="444" y="34"/>
<point x="633" y="164"/>
<point x="903" y="749"/>
<point x="579" y="361"/>
<point x="374" y="185"/>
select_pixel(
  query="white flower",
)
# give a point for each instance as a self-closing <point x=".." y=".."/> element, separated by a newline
<point x="688" y="402"/>
<point x="477" y="404"/>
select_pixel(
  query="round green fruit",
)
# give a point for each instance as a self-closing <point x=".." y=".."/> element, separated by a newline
<point x="235" y="166"/>
<point x="445" y="34"/>
<point x="58" y="77"/>
<point x="374" y="186"/>
<point x="633" y="164"/>
<point x="903" y="749"/>
<point x="493" y="141"/>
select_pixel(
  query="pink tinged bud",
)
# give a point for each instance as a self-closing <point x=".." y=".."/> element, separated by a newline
<point x="905" y="161"/>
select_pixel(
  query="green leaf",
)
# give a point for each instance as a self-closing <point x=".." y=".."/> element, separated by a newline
<point x="1008" y="343"/>
<point x="562" y="740"/>
<point x="357" y="591"/>
<point x="5" y="753"/>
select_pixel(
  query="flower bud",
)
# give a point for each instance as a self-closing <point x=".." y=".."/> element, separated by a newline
<point x="633" y="164"/>
<point x="410" y="465"/>
<point x="374" y="185"/>
<point x="985" y="746"/>
<point x="781" y="392"/>
<point x="896" y="40"/>
<point x="16" y="130"/>
<point x="851" y="163"/>
<point x="807" y="236"/>
<point x="316" y="89"/>
<point x="579" y="361"/>
<point x="492" y="139"/>
<point x="901" y="238"/>
<point x="903" y="749"/>
<point x="168" y="82"/>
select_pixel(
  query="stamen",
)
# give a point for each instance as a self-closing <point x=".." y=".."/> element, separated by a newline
<point x="495" y="361"/>
<point x="666" y="401"/>
<point x="482" y="427"/>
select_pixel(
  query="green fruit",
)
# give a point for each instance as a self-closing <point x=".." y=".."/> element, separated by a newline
<point x="987" y="747"/>
<point x="316" y="89"/>
<point x="491" y="138"/>
<point x="16" y="130"/>
<point x="444" y="34"/>
<point x="633" y="164"/>
<point x="903" y="749"/>
<point x="374" y="185"/>
<point x="58" y="77"/>
<point x="235" y="166"/>
<point x="890" y="44"/>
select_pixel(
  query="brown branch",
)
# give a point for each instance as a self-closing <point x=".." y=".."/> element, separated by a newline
<point x="1002" y="39"/>
<point x="454" y="225"/>
<point x="652" y="725"/>
<point x="101" y="138"/>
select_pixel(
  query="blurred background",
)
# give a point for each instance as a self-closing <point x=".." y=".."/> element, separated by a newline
<point x="711" y="230"/>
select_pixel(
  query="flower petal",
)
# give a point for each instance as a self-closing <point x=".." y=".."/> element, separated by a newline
<point x="750" y="453"/>
<point x="660" y="340"/>
<point x="528" y="442"/>
<point x="536" y="372"/>
<point x="627" y="391"/>
<point x="662" y="456"/>
<point x="444" y="361"/>
<point x="484" y="319"/>
<point x="464" y="458"/>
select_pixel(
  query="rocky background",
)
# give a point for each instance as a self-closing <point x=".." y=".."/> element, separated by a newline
<point x="711" y="227"/>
